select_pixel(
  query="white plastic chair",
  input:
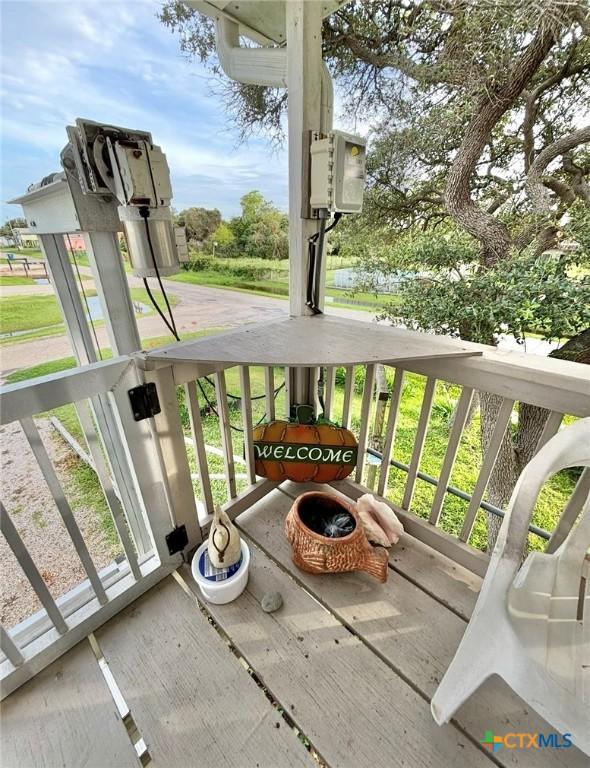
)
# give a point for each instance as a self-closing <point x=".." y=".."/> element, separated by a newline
<point x="531" y="624"/>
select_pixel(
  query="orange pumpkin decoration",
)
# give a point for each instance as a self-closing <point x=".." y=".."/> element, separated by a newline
<point x="302" y="452"/>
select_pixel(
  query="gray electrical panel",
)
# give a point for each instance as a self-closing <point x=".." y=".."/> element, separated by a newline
<point x="338" y="172"/>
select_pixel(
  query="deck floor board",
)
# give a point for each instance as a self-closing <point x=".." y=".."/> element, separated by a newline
<point x="192" y="700"/>
<point x="65" y="716"/>
<point x="409" y="629"/>
<point x="354" y="709"/>
<point x="347" y="664"/>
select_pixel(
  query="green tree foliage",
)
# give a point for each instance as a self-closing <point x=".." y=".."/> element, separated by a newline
<point x="479" y="115"/>
<point x="444" y="288"/>
<point x="224" y="240"/>
<point x="9" y="224"/>
<point x="261" y="231"/>
<point x="200" y="223"/>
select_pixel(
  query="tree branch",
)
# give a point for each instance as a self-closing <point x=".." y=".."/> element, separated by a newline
<point x="535" y="187"/>
<point x="497" y="100"/>
<point x="531" y="106"/>
<point x="563" y="191"/>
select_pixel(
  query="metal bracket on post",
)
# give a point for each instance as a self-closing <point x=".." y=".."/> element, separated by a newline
<point x="145" y="402"/>
<point x="177" y="539"/>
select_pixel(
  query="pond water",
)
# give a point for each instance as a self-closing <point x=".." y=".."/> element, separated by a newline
<point x="347" y="277"/>
<point x="41" y="280"/>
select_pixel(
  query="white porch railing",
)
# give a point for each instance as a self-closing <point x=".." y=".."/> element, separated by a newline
<point x="165" y="474"/>
<point x="122" y="453"/>
<point x="562" y="388"/>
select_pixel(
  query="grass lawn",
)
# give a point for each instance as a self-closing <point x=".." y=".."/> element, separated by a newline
<point x="41" y="315"/>
<point x="464" y="476"/>
<point x="16" y="280"/>
<point x="467" y="466"/>
<point x="21" y="313"/>
<point x="21" y="252"/>
<point x="278" y="289"/>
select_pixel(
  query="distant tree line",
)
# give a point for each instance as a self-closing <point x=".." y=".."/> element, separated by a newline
<point x="10" y="224"/>
<point x="261" y="230"/>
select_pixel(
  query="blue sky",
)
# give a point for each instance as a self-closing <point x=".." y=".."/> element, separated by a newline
<point x="113" y="61"/>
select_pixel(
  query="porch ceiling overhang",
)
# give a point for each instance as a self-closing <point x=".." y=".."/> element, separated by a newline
<point x="314" y="341"/>
<point x="263" y="22"/>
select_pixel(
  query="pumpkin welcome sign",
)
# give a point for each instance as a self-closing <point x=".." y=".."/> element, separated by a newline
<point x="321" y="453"/>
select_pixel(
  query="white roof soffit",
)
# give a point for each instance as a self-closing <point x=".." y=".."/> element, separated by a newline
<point x="262" y="21"/>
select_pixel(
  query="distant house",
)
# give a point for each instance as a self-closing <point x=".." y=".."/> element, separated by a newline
<point x="6" y="241"/>
<point x="75" y="242"/>
<point x="24" y="238"/>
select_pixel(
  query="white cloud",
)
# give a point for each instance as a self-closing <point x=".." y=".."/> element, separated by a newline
<point x="115" y="62"/>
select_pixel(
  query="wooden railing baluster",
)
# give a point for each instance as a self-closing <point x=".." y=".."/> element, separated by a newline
<point x="287" y="394"/>
<point x="571" y="511"/>
<point x="269" y="391"/>
<point x="198" y="441"/>
<point x="365" y="419"/>
<point x="225" y="429"/>
<point x="419" y="442"/>
<point x="487" y="467"/>
<point x="245" y="393"/>
<point x="460" y="419"/>
<point x="104" y="478"/>
<point x="392" y="421"/>
<point x="348" y="396"/>
<point x="329" y="391"/>
<point x="30" y="570"/>
<point x="9" y="648"/>
<point x="551" y="428"/>
<point x="34" y="439"/>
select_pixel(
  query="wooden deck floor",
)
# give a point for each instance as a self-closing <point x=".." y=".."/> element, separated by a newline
<point x="342" y="675"/>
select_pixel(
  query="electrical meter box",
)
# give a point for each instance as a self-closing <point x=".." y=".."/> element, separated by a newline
<point x="144" y="173"/>
<point x="338" y="171"/>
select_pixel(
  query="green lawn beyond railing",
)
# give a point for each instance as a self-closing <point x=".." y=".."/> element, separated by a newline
<point x="467" y="466"/>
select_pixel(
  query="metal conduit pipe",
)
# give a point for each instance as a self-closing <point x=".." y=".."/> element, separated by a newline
<point x="253" y="66"/>
<point x="263" y="65"/>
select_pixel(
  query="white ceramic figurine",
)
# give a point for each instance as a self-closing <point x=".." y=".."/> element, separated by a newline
<point x="224" y="541"/>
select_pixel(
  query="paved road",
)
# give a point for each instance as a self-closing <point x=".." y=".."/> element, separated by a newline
<point x="199" y="307"/>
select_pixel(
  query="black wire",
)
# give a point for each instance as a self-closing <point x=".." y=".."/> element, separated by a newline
<point x="321" y="390"/>
<point x="144" y="213"/>
<point x="171" y="325"/>
<point x="337" y="217"/>
<point x="232" y="426"/>
<point x="159" y="311"/>
<point x="311" y="251"/>
<point x="315" y="263"/>
<point x="318" y="266"/>
<point x="234" y="397"/>
<point x="90" y="320"/>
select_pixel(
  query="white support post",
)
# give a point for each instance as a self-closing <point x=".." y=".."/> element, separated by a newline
<point x="168" y="443"/>
<point x="66" y="290"/>
<point x="304" y="78"/>
<point x="111" y="283"/>
<point x="304" y="85"/>
<point x="64" y="282"/>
